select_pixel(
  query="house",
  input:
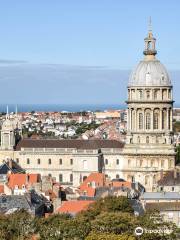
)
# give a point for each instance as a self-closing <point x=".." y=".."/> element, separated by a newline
<point x="21" y="183"/>
<point x="169" y="211"/>
<point x="32" y="202"/>
<point x="170" y="182"/>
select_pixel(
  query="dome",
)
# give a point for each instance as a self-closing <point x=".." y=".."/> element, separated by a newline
<point x="149" y="73"/>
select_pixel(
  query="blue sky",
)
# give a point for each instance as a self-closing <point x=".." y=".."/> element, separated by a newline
<point x="99" y="33"/>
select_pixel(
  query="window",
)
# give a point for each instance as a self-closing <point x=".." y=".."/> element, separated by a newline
<point x="138" y="139"/>
<point x="155" y="94"/>
<point x="60" y="178"/>
<point x="17" y="160"/>
<point x="117" y="161"/>
<point x="28" y="161"/>
<point x="84" y="178"/>
<point x="152" y="163"/>
<point x="156" y="120"/>
<point x="163" y="119"/>
<point x="38" y="161"/>
<point x="161" y="189"/>
<point x="85" y="164"/>
<point x="148" y="121"/>
<point x="140" y="121"/>
<point x="148" y="94"/>
<point x="49" y="175"/>
<point x="49" y="161"/>
<point x="172" y="189"/>
<point x="117" y="176"/>
<point x="147" y="139"/>
<point x="71" y="161"/>
<point x="140" y="94"/>
<point x="162" y="163"/>
<point x="129" y="162"/>
<point x="71" y="177"/>
<point x="60" y="161"/>
<point x="106" y="161"/>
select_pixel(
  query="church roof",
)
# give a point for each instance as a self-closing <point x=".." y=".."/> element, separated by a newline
<point x="73" y="143"/>
<point x="150" y="71"/>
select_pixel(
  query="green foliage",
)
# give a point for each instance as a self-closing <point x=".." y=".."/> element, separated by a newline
<point x="176" y="127"/>
<point x="111" y="218"/>
<point x="110" y="236"/>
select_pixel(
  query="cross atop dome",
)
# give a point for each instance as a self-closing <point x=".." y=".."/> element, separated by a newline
<point x="150" y="43"/>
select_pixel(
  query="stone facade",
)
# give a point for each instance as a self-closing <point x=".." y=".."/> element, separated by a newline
<point x="149" y="149"/>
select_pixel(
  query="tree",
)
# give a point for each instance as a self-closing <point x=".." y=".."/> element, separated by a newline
<point x="110" y="236"/>
<point x="116" y="223"/>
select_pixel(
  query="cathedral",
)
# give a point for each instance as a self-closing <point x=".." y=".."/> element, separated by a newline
<point x="149" y="143"/>
<point x="147" y="154"/>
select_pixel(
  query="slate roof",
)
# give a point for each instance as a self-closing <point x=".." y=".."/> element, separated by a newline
<point x="163" y="206"/>
<point x="5" y="168"/>
<point x="160" y="196"/>
<point x="12" y="202"/>
<point x="69" y="143"/>
<point x="169" y="180"/>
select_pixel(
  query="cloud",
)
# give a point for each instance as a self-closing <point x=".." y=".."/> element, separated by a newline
<point x="66" y="84"/>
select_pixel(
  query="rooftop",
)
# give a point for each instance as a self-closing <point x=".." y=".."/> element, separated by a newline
<point x="73" y="143"/>
<point x="74" y="207"/>
<point x="160" y="196"/>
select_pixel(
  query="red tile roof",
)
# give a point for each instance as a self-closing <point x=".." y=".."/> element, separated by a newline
<point x="94" y="180"/>
<point x="74" y="207"/>
<point x="22" y="179"/>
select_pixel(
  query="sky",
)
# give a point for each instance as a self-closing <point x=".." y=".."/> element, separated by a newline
<point x="76" y="51"/>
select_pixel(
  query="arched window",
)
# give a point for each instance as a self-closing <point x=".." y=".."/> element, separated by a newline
<point x="60" y="161"/>
<point x="117" y="176"/>
<point x="71" y="161"/>
<point x="140" y="121"/>
<point x="38" y="161"/>
<point x="28" y="161"/>
<point x="49" y="161"/>
<point x="156" y="120"/>
<point x="117" y="161"/>
<point x="106" y="161"/>
<point x="147" y="139"/>
<point x="148" y="121"/>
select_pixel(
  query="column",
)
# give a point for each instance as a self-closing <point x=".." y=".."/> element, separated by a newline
<point x="171" y="118"/>
<point x="167" y="116"/>
<point x="160" y="116"/>
<point x="130" y="113"/>
<point x="135" y="119"/>
<point x="144" y="119"/>
<point x="152" y="119"/>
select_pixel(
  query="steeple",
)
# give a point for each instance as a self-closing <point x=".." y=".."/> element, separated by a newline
<point x="150" y="43"/>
